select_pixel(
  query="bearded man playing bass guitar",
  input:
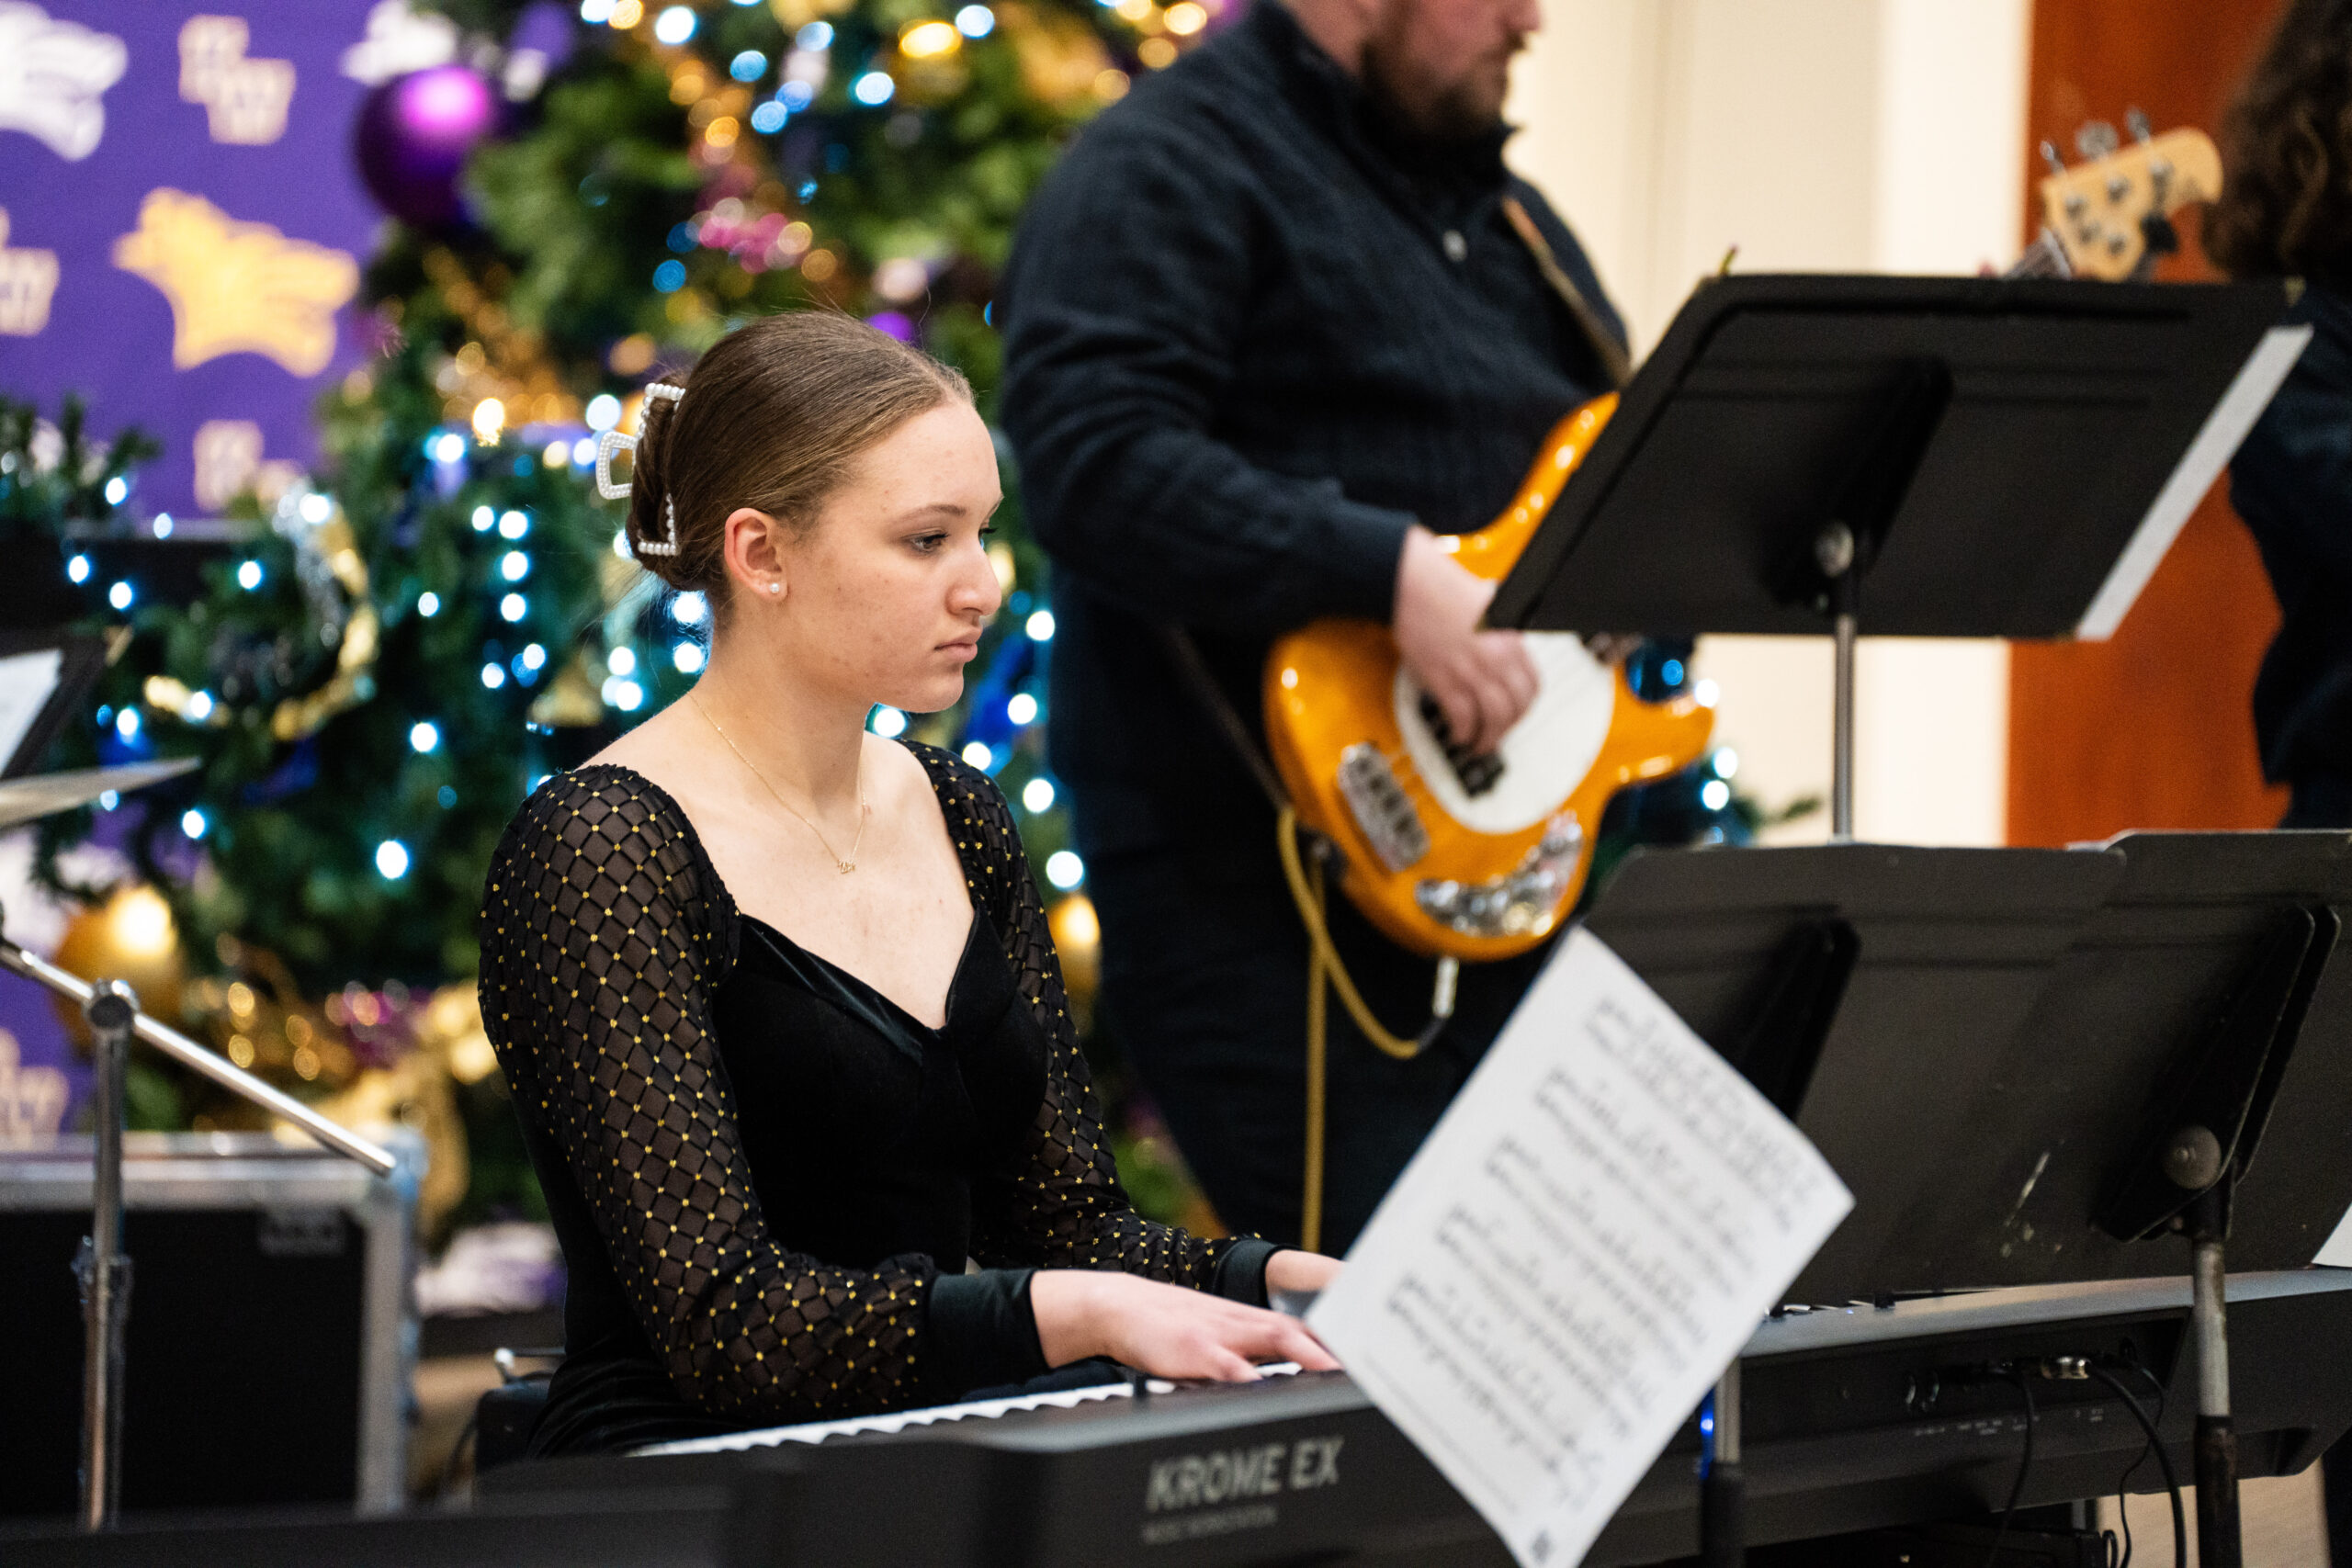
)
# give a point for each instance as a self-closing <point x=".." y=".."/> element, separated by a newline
<point x="1279" y="320"/>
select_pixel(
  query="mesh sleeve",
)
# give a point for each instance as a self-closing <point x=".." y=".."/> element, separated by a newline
<point x="604" y="934"/>
<point x="1058" y="1204"/>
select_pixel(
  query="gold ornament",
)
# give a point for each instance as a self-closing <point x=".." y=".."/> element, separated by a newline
<point x="132" y="937"/>
<point x="1077" y="938"/>
<point x="237" y="288"/>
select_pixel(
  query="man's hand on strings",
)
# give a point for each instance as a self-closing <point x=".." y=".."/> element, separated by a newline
<point x="1483" y="680"/>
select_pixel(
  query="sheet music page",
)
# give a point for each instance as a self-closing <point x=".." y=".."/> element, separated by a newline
<point x="26" y="682"/>
<point x="1588" y="1238"/>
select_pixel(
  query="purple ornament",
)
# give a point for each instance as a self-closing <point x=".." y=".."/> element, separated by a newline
<point x="412" y="137"/>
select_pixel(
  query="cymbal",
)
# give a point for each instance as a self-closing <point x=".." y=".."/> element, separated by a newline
<point x="43" y="795"/>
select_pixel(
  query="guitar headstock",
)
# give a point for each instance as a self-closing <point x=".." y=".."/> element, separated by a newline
<point x="2097" y="210"/>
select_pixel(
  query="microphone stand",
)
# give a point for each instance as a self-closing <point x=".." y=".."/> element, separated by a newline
<point x="102" y="1267"/>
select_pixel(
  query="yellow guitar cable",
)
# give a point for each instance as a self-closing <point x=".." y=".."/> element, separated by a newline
<point x="1323" y="963"/>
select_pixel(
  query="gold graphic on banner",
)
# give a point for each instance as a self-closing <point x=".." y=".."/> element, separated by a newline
<point x="228" y="462"/>
<point x="28" y="281"/>
<point x="32" y="1100"/>
<point x="247" y="99"/>
<point x="237" y="288"/>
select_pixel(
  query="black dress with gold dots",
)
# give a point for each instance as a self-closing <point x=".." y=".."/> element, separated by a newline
<point x="767" y="1177"/>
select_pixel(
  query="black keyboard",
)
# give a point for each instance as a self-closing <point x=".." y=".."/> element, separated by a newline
<point x="1853" y="1421"/>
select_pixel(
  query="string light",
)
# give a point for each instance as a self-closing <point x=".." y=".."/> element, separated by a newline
<point x="118" y="490"/>
<point x="490" y="420"/>
<point x="1038" y="794"/>
<point x="1186" y="18"/>
<point x="621" y="662"/>
<point x="163" y="525"/>
<point x="814" y="35"/>
<point x="514" y="566"/>
<point x="424" y="735"/>
<point x="534" y="658"/>
<point x="1726" y="763"/>
<point x="198" y="708"/>
<point x="1715" y="795"/>
<point x="1022" y="709"/>
<point x="1065" y="870"/>
<point x="121" y="594"/>
<point x="315" y="508"/>
<point x="626" y="695"/>
<point x="391" y="860"/>
<point x="126" y="724"/>
<point x="874" y="89"/>
<point x="977" y="753"/>
<point x="514" y="607"/>
<point x="192" y="823"/>
<point x="595" y="13"/>
<point x="926" y="40"/>
<point x="1040" y="626"/>
<point x="689" y="609"/>
<point x="494" y="676"/>
<point x="674" y="26"/>
<point x="78" y="570"/>
<point x="747" y="66"/>
<point x="688" y="658"/>
<point x="514" y="525"/>
<point x="887" y="723"/>
<point x="584" y="451"/>
<point x="446" y="447"/>
<point x="603" y="412"/>
<point x="429" y="605"/>
<point x="975" y="21"/>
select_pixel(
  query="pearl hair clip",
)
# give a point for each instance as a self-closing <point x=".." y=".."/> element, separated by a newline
<point x="612" y="443"/>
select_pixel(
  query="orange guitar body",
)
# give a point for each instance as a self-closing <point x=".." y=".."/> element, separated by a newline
<point x="1476" y="859"/>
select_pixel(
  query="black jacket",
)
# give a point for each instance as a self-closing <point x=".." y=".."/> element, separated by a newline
<point x="1251" y="332"/>
<point x="2292" y="483"/>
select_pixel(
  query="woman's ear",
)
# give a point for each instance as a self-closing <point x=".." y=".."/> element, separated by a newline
<point x="755" y="553"/>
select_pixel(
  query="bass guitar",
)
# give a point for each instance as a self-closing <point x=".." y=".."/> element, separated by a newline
<point x="1451" y="855"/>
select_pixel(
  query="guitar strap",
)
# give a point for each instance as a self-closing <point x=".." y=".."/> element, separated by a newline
<point x="1605" y="347"/>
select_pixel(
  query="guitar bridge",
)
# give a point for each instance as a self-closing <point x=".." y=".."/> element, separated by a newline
<point x="1382" y="810"/>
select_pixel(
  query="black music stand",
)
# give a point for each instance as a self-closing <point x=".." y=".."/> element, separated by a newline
<point x="2033" y="1059"/>
<point x="1912" y="456"/>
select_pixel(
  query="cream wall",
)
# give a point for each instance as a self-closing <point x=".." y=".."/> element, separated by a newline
<point x="1816" y="135"/>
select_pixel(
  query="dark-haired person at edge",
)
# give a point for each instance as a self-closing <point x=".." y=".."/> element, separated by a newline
<point x="776" y="996"/>
<point x="2286" y="211"/>
<point x="1271" y="327"/>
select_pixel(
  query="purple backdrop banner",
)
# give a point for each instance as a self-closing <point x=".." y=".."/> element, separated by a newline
<point x="184" y="226"/>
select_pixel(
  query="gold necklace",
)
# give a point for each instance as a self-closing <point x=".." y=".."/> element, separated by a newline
<point x="864" y="810"/>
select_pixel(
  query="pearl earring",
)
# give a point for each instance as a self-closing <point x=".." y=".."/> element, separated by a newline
<point x="775" y="587"/>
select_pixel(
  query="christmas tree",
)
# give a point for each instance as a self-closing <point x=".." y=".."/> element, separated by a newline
<point x="395" y="652"/>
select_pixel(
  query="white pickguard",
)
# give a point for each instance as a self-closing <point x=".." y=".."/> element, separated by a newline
<point x="1545" y="755"/>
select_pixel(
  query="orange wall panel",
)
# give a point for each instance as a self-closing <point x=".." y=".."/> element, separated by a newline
<point x="2154" y="728"/>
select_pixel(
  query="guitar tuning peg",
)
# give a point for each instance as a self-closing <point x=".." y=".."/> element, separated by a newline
<point x="2049" y="156"/>
<point x="2096" y="140"/>
<point x="2136" y="123"/>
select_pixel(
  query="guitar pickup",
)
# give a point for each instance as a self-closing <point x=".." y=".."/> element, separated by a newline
<point x="1479" y="773"/>
<point x="1381" y="807"/>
